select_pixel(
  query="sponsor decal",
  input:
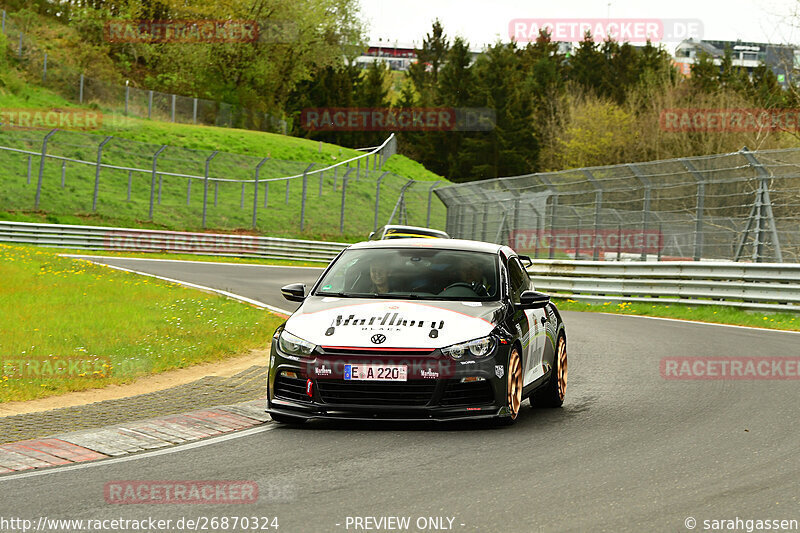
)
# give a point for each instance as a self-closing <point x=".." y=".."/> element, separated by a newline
<point x="322" y="371"/>
<point x="388" y="322"/>
<point x="499" y="371"/>
<point x="378" y="339"/>
<point x="429" y="374"/>
<point x="424" y="368"/>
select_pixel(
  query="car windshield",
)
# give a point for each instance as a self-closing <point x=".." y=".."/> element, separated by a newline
<point x="415" y="273"/>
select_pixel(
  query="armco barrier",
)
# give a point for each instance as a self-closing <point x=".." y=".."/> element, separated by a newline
<point x="764" y="286"/>
<point x="142" y="240"/>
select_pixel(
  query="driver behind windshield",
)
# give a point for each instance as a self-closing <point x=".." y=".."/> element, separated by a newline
<point x="379" y="276"/>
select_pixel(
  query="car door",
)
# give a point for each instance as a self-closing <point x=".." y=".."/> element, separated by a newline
<point x="533" y="341"/>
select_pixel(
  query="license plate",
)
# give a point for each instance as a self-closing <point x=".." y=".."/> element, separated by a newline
<point x="376" y="372"/>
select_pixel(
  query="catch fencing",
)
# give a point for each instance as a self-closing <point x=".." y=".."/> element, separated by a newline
<point x="742" y="206"/>
<point x="126" y="99"/>
<point x="67" y="172"/>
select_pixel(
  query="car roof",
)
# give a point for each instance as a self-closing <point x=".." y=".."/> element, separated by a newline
<point x="441" y="244"/>
<point x="412" y="229"/>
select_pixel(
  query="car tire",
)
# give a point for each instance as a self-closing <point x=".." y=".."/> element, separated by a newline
<point x="286" y="419"/>
<point x="552" y="394"/>
<point x="513" y="387"/>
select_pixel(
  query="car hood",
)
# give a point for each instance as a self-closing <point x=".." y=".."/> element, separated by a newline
<point x="371" y="323"/>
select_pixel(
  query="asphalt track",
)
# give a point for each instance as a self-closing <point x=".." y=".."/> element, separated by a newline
<point x="629" y="451"/>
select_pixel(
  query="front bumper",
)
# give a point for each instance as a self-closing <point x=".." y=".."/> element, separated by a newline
<point x="437" y="388"/>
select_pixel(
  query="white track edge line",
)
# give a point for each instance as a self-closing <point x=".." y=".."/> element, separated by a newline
<point x="227" y="294"/>
<point x="141" y="455"/>
<point x="84" y="256"/>
<point x="700" y="322"/>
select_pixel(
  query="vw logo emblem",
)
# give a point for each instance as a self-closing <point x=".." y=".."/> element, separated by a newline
<point x="378" y="339"/>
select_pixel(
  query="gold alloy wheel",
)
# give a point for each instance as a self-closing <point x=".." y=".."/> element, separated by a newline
<point x="514" y="383"/>
<point x="562" y="368"/>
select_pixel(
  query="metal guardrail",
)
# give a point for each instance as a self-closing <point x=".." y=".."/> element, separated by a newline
<point x="143" y="240"/>
<point x="763" y="286"/>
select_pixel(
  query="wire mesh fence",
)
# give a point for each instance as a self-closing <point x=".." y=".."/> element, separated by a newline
<point x="128" y="100"/>
<point x="739" y="206"/>
<point x="69" y="172"/>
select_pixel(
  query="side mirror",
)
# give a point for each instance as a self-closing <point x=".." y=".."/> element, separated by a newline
<point x="533" y="300"/>
<point x="526" y="260"/>
<point x="296" y="292"/>
<point x="371" y="235"/>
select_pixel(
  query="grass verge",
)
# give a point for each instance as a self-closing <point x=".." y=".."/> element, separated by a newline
<point x="68" y="325"/>
<point x="189" y="257"/>
<point x="700" y="313"/>
<point x="178" y="203"/>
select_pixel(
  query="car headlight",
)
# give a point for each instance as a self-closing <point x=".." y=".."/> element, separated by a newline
<point x="294" y="345"/>
<point x="477" y="348"/>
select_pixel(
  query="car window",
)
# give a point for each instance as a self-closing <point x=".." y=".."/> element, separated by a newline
<point x="520" y="281"/>
<point x="415" y="273"/>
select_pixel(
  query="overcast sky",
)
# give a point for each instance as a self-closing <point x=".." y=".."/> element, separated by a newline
<point x="484" y="21"/>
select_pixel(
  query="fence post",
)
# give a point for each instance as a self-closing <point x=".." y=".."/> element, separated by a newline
<point x="645" y="205"/>
<point x="194" y="111"/>
<point x="149" y="103"/>
<point x="701" y="188"/>
<point x="188" y="190"/>
<point x="598" y="205"/>
<point x="335" y="172"/>
<point x="63" y="172"/>
<point x="130" y="182"/>
<point x="153" y="179"/>
<point x="378" y="200"/>
<point x="80" y="90"/>
<point x="358" y="168"/>
<point x="97" y="172"/>
<point x="20" y="45"/>
<point x="321" y="178"/>
<point x="205" y="185"/>
<point x="127" y="96"/>
<point x="4" y="21"/>
<point x="430" y="196"/>
<point x="303" y="197"/>
<point x="764" y="212"/>
<point x="255" y="191"/>
<point x="286" y="200"/>
<point x="241" y="201"/>
<point x="553" y="213"/>
<point x="41" y="169"/>
<point x="29" y="170"/>
<point x="172" y="113"/>
<point x="44" y="72"/>
<point x="344" y="193"/>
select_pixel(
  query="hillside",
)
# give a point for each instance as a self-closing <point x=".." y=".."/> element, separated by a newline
<point x="133" y="143"/>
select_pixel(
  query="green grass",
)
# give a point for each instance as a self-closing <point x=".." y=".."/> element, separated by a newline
<point x="119" y="324"/>
<point x="700" y="313"/>
<point x="188" y="257"/>
<point x="135" y="141"/>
